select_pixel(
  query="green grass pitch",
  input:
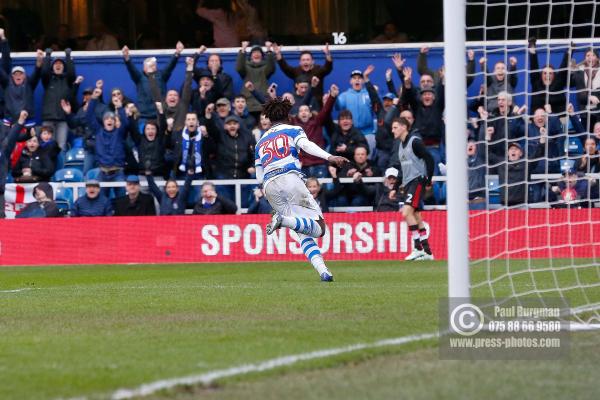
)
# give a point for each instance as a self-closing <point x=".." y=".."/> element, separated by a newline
<point x="84" y="332"/>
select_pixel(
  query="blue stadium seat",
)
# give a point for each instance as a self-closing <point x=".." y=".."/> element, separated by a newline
<point x="68" y="175"/>
<point x="74" y="158"/>
<point x="77" y="143"/>
<point x="93" y="173"/>
<point x="60" y="161"/>
<point x="566" y="165"/>
<point x="63" y="197"/>
<point x="573" y="146"/>
<point x="494" y="189"/>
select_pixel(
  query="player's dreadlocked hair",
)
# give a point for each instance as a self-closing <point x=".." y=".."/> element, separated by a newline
<point x="277" y="109"/>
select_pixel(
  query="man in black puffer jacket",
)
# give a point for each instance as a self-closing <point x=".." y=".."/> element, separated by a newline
<point x="58" y="78"/>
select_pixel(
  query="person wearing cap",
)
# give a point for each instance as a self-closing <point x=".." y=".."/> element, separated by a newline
<point x="6" y="147"/>
<point x="134" y="203"/>
<point x="145" y="96"/>
<point x="93" y="204"/>
<point x="214" y="68"/>
<point x="234" y="150"/>
<point x="380" y="192"/>
<point x="257" y="69"/>
<point x="313" y="127"/>
<point x="515" y="171"/>
<point x="58" y="78"/>
<point x="356" y="100"/>
<point x="18" y="87"/>
<point x="43" y="206"/>
<point x="209" y="91"/>
<point x="307" y="68"/>
<point x="109" y="142"/>
<point x="428" y="110"/>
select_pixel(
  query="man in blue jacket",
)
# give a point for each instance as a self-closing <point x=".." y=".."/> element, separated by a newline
<point x="357" y="101"/>
<point x="110" y="142"/>
<point x="145" y="97"/>
<point x="93" y="204"/>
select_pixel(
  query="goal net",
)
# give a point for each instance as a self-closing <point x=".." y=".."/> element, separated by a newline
<point x="532" y="132"/>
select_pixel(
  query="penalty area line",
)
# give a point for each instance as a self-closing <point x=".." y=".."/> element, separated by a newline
<point x="209" y="377"/>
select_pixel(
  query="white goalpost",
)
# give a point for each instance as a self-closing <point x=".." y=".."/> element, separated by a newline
<point x="547" y="248"/>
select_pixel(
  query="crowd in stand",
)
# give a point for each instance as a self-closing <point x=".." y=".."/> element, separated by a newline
<point x="207" y="131"/>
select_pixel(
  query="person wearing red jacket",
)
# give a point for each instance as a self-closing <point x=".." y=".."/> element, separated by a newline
<point x="313" y="127"/>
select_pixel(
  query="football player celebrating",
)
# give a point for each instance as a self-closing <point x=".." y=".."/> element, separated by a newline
<point x="278" y="167"/>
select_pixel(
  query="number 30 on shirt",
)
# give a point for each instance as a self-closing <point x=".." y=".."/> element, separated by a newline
<point x="274" y="149"/>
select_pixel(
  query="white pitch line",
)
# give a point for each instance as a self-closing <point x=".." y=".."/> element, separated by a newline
<point x="15" y="290"/>
<point x="209" y="377"/>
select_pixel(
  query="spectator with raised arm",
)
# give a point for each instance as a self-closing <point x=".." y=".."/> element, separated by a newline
<point x="209" y="91"/>
<point x="504" y="125"/>
<point x="172" y="201"/>
<point x="313" y="127"/>
<point x="423" y="66"/>
<point x="93" y="204"/>
<point x="306" y="67"/>
<point x="428" y="111"/>
<point x="19" y="88"/>
<point x="6" y="147"/>
<point x="501" y="80"/>
<point x="145" y="96"/>
<point x="356" y="100"/>
<point x="34" y="164"/>
<point x="345" y="137"/>
<point x="587" y="80"/>
<point x="176" y="106"/>
<point x="58" y="77"/>
<point x="547" y="84"/>
<point x="590" y="160"/>
<point x="234" y="150"/>
<point x="214" y="68"/>
<point x="151" y="145"/>
<point x="6" y="65"/>
<point x="109" y="141"/>
<point x="257" y="69"/>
